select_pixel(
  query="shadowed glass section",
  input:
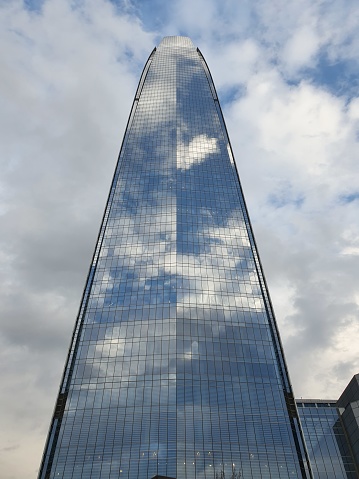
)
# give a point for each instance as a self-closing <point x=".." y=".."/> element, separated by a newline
<point x="176" y="367"/>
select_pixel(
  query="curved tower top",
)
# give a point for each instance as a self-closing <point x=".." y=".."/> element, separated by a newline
<point x="176" y="41"/>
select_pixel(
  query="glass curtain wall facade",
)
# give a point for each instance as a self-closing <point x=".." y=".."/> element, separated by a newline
<point x="328" y="449"/>
<point x="176" y="367"/>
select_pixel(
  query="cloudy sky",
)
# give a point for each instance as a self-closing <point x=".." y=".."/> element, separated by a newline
<point x="287" y="77"/>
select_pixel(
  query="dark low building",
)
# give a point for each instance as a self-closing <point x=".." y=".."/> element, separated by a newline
<point x="331" y="433"/>
<point x="348" y="409"/>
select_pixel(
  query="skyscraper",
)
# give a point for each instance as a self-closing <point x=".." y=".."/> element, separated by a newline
<point x="175" y="367"/>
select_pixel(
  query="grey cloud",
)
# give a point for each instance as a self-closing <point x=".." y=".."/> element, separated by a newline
<point x="10" y="448"/>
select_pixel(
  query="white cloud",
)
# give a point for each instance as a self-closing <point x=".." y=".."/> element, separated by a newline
<point x="303" y="142"/>
<point x="301" y="48"/>
<point x="196" y="151"/>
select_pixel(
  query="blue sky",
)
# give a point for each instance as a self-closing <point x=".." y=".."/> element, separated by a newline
<point x="286" y="74"/>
